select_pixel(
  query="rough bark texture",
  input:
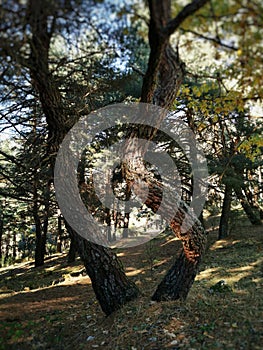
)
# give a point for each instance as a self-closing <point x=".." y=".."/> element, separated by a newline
<point x="110" y="284"/>
<point x="161" y="83"/>
<point x="225" y="214"/>
<point x="160" y="86"/>
<point x="179" y="279"/>
<point x="109" y="281"/>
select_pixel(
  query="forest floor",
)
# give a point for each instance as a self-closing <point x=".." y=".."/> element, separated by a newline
<point x="54" y="307"/>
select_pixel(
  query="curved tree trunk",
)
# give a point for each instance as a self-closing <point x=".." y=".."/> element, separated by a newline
<point x="161" y="83"/>
<point x="160" y="86"/>
<point x="109" y="281"/>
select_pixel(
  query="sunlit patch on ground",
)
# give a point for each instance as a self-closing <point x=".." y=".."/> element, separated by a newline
<point x="54" y="307"/>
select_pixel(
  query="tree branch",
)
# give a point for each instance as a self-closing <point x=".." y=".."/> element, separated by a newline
<point x="216" y="40"/>
<point x="14" y="196"/>
<point x="11" y="158"/>
<point x="187" y="11"/>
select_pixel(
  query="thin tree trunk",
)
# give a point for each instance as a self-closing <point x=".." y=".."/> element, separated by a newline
<point x="108" y="223"/>
<point x="225" y="214"/>
<point x="46" y="219"/>
<point x="252" y="216"/>
<point x="14" y="246"/>
<point x="126" y="218"/>
<point x="39" y="256"/>
<point x="59" y="235"/>
<point x="72" y="247"/>
<point x="1" y="240"/>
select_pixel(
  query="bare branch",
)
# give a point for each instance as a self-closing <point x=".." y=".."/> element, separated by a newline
<point x="8" y="194"/>
<point x="11" y="158"/>
<point x="187" y="11"/>
<point x="216" y="40"/>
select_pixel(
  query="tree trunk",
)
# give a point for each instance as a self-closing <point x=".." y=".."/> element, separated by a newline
<point x="126" y="218"/>
<point x="14" y="246"/>
<point x="109" y="281"/>
<point x="59" y="235"/>
<point x="1" y="240"/>
<point x="110" y="284"/>
<point x="225" y="214"/>
<point x="39" y="254"/>
<point x="252" y="216"/>
<point x="46" y="219"/>
<point x="108" y="223"/>
<point x="72" y="251"/>
<point x="72" y="247"/>
<point x="179" y="279"/>
<point x="161" y="83"/>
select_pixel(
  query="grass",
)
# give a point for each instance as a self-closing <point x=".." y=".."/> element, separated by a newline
<point x="48" y="308"/>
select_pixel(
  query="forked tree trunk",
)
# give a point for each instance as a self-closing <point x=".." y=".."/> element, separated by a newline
<point x="161" y="83"/>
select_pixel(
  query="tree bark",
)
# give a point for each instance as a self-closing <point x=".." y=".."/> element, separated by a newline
<point x="225" y="214"/>
<point x="109" y="281"/>
<point x="161" y="83"/>
<point x="40" y="239"/>
<point x="59" y="235"/>
<point x="1" y="236"/>
<point x="179" y="279"/>
<point x="253" y="218"/>
<point x="72" y="247"/>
